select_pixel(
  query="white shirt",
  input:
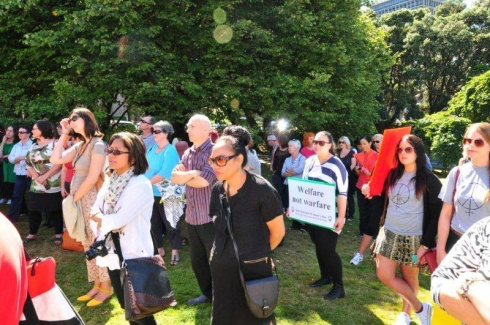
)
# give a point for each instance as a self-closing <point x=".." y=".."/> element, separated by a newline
<point x="134" y="209"/>
<point x="19" y="149"/>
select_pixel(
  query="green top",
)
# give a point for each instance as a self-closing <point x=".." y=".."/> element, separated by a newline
<point x="8" y="168"/>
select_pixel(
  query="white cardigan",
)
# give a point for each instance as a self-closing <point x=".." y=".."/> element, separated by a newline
<point x="133" y="214"/>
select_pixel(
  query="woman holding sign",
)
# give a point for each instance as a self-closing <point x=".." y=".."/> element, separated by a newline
<point x="326" y="167"/>
<point x="410" y="227"/>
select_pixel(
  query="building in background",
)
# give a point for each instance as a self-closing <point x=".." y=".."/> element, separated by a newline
<point x="385" y="6"/>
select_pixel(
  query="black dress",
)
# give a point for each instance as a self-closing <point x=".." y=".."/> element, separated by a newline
<point x="255" y="204"/>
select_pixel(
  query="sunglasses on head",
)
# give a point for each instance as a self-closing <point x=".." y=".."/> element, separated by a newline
<point x="158" y="131"/>
<point x="74" y="118"/>
<point x="406" y="149"/>
<point x="478" y="142"/>
<point x="321" y="143"/>
<point x="116" y="152"/>
<point x="221" y="160"/>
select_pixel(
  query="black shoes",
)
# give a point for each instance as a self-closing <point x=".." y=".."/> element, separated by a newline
<point x="336" y="292"/>
<point x="320" y="283"/>
<point x="202" y="299"/>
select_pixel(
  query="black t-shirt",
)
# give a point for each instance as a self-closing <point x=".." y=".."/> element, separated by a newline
<point x="255" y="204"/>
<point x="279" y="159"/>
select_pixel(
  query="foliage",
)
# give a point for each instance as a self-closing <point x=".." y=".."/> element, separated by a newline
<point x="434" y="56"/>
<point x="473" y="100"/>
<point x="306" y="61"/>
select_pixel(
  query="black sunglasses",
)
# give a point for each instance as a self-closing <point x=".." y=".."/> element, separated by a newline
<point x="22" y="132"/>
<point x="221" y="160"/>
<point x="158" y="131"/>
<point x="116" y="152"/>
<point x="407" y="150"/>
<point x="143" y="121"/>
<point x="341" y="142"/>
<point x="478" y="142"/>
<point x="320" y="142"/>
<point x="74" y="118"/>
<point x="376" y="141"/>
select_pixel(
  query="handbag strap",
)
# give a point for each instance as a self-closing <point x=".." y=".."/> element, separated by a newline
<point x="225" y="203"/>
<point x="454" y="195"/>
<point x="117" y="244"/>
<point x="383" y="215"/>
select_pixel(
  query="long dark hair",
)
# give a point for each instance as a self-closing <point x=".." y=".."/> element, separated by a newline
<point x="422" y="172"/>
<point x="91" y="128"/>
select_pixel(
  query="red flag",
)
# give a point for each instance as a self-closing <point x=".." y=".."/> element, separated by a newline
<point x="386" y="161"/>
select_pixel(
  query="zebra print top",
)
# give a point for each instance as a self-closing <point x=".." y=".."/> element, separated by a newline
<point x="470" y="254"/>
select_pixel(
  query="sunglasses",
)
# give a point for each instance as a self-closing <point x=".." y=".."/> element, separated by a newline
<point x="376" y="141"/>
<point x="320" y="142"/>
<point x="407" y="150"/>
<point x="143" y="121"/>
<point x="221" y="160"/>
<point x="340" y="142"/>
<point x="74" y="118"/>
<point x="22" y="132"/>
<point x="116" y="152"/>
<point x="478" y="142"/>
<point x="158" y="131"/>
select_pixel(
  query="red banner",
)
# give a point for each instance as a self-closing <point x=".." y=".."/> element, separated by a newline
<point x="386" y="158"/>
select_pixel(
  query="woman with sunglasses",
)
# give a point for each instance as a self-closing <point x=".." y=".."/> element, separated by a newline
<point x="258" y="227"/>
<point x="369" y="208"/>
<point x="346" y="154"/>
<point x="123" y="209"/>
<point x="466" y="193"/>
<point x="377" y="139"/>
<point x="88" y="158"/>
<point x="326" y="167"/>
<point x="410" y="227"/>
<point x="162" y="158"/>
<point x="45" y="190"/>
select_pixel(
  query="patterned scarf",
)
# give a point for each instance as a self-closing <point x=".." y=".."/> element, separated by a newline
<point x="117" y="184"/>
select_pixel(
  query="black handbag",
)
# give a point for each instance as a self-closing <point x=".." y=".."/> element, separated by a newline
<point x="146" y="284"/>
<point x="261" y="294"/>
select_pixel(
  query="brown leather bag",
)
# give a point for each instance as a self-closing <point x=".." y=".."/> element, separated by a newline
<point x="71" y="244"/>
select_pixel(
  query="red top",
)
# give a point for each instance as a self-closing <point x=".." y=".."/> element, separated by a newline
<point x="366" y="160"/>
<point x="307" y="152"/>
<point x="12" y="273"/>
<point x="70" y="171"/>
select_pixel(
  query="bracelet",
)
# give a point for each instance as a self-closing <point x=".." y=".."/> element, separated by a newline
<point x="465" y="286"/>
<point x="65" y="133"/>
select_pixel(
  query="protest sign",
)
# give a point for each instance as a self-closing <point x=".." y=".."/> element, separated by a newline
<point x="312" y="202"/>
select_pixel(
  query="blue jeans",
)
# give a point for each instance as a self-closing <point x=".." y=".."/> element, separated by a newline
<point x="22" y="184"/>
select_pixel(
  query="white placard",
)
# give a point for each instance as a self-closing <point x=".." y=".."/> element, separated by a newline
<point x="312" y="202"/>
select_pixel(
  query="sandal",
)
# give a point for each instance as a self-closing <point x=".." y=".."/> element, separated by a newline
<point x="87" y="297"/>
<point x="175" y="260"/>
<point x="57" y="240"/>
<point x="94" y="302"/>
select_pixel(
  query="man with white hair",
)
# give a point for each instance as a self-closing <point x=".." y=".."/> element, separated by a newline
<point x="195" y="172"/>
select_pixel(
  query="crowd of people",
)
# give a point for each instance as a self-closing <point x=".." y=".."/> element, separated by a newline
<point x="226" y="194"/>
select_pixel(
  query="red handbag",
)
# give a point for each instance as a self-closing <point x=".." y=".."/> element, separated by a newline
<point x="431" y="259"/>
<point x="40" y="275"/>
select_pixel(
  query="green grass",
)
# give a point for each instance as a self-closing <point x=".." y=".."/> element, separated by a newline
<point x="367" y="302"/>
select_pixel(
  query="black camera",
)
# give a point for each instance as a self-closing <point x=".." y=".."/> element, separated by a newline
<point x="96" y="249"/>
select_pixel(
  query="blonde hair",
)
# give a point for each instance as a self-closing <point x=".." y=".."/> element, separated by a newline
<point x="484" y="129"/>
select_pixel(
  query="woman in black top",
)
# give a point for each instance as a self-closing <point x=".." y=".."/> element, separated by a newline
<point x="278" y="158"/>
<point x="346" y="154"/>
<point x="258" y="227"/>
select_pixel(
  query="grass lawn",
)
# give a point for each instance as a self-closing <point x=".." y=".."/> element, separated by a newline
<point x="367" y="300"/>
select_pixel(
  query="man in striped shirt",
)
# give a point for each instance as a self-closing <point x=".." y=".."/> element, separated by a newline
<point x="195" y="172"/>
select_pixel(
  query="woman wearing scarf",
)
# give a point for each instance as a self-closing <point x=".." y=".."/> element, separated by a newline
<point x="118" y="209"/>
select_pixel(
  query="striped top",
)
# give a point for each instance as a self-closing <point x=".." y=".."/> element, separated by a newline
<point x="197" y="212"/>
<point x="332" y="171"/>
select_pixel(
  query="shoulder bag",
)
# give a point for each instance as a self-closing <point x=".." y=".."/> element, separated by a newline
<point x="261" y="294"/>
<point x="145" y="283"/>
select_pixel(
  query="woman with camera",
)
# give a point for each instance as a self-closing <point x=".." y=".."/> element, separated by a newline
<point x="124" y="206"/>
<point x="257" y="224"/>
<point x="45" y="190"/>
<point x="88" y="158"/>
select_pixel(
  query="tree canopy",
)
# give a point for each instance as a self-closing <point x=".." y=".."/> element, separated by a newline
<point x="316" y="63"/>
